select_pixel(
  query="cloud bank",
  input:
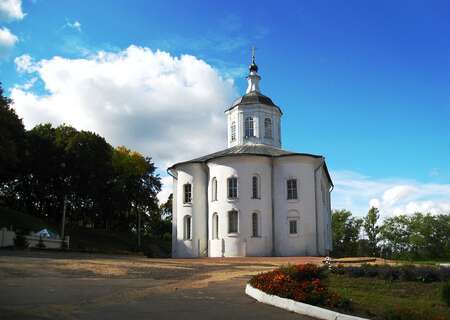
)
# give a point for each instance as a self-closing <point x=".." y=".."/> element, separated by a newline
<point x="170" y="108"/>
<point x="11" y="10"/>
<point x="357" y="193"/>
<point x="7" y="41"/>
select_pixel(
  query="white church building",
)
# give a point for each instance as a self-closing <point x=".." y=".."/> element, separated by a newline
<point x="253" y="198"/>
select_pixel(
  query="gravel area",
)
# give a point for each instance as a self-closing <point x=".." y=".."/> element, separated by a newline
<point x="54" y="285"/>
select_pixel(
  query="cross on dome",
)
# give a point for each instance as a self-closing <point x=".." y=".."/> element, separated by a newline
<point x="253" y="77"/>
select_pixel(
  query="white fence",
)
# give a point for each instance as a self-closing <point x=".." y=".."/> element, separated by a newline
<point x="7" y="240"/>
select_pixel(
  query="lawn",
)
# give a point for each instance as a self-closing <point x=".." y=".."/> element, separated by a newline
<point x="372" y="297"/>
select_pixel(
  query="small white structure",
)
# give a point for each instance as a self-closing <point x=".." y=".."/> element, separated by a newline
<point x="254" y="198"/>
<point x="49" y="239"/>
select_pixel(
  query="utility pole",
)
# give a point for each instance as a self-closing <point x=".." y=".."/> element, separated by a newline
<point x="138" y="228"/>
<point x="63" y="222"/>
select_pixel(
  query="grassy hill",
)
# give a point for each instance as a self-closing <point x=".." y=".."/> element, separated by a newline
<point x="88" y="240"/>
<point x="16" y="220"/>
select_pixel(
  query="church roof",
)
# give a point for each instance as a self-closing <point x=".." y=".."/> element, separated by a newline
<point x="253" y="97"/>
<point x="252" y="149"/>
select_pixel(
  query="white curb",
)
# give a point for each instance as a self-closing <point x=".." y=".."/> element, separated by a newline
<point x="297" y="307"/>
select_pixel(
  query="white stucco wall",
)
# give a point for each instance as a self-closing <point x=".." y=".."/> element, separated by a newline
<point x="241" y="243"/>
<point x="196" y="175"/>
<point x="259" y="113"/>
<point x="302" y="169"/>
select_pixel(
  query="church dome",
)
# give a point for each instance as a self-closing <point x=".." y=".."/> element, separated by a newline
<point x="253" y="97"/>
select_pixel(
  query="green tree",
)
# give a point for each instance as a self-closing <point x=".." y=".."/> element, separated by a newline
<point x="12" y="140"/>
<point x="394" y="236"/>
<point x="372" y="232"/>
<point x="345" y="229"/>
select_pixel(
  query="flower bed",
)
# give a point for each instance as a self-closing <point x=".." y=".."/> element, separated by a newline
<point x="376" y="292"/>
<point x="301" y="283"/>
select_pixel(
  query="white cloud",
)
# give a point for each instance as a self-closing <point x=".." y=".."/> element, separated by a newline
<point x="25" y="63"/>
<point x="170" y="108"/>
<point x="357" y="193"/>
<point x="74" y="25"/>
<point x="396" y="193"/>
<point x="7" y="41"/>
<point x="11" y="10"/>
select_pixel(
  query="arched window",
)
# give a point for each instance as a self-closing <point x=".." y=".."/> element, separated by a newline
<point x="232" y="188"/>
<point x="255" y="187"/>
<point x="215" y="226"/>
<point x="187" y="227"/>
<point x="187" y="188"/>
<point x="255" y="225"/>
<point x="249" y="127"/>
<point x="214" y="189"/>
<point x="233" y="221"/>
<point x="268" y="128"/>
<point x="233" y="131"/>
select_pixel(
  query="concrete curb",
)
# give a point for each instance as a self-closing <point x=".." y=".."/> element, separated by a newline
<point x="297" y="307"/>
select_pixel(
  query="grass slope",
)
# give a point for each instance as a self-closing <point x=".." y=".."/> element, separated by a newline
<point x="373" y="297"/>
<point x="19" y="220"/>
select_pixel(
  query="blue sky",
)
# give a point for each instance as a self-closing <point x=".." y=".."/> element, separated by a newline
<point x="367" y="84"/>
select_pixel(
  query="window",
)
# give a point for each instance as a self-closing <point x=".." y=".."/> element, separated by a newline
<point x="215" y="231"/>
<point x="249" y="127"/>
<point x="255" y="187"/>
<point x="233" y="131"/>
<point x="187" y="228"/>
<point x="293" y="227"/>
<point x="232" y="221"/>
<point x="214" y="189"/>
<point x="292" y="189"/>
<point x="268" y="128"/>
<point x="255" y="225"/>
<point x="187" y="193"/>
<point x="232" y="188"/>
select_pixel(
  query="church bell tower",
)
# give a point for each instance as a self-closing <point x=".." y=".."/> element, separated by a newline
<point x="254" y="118"/>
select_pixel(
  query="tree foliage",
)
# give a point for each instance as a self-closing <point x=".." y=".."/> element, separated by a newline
<point x="12" y="139"/>
<point x="371" y="229"/>
<point x="104" y="187"/>
<point x="345" y="229"/>
<point x="417" y="236"/>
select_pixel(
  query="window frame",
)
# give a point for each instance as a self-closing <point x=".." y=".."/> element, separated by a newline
<point x="187" y="194"/>
<point x="256" y="225"/>
<point x="187" y="228"/>
<point x="249" y="127"/>
<point x="232" y="190"/>
<point x="290" y="224"/>
<point x="215" y="226"/>
<point x="229" y="222"/>
<point x="268" y="128"/>
<point x="233" y="131"/>
<point x="256" y="187"/>
<point x="214" y="189"/>
<point x="292" y="191"/>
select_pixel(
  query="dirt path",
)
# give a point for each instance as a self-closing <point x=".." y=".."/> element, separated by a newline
<point x="38" y="285"/>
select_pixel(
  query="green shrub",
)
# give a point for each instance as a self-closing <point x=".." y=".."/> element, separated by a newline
<point x="446" y="293"/>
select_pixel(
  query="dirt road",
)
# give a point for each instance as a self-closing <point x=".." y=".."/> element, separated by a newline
<point x="41" y="285"/>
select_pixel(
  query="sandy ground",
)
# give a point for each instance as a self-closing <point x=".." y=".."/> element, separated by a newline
<point x="44" y="285"/>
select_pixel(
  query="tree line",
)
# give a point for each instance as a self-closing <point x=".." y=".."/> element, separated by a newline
<point x="47" y="168"/>
<point x="417" y="236"/>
